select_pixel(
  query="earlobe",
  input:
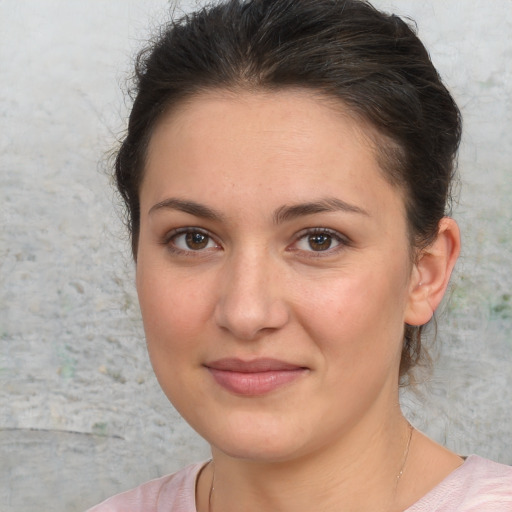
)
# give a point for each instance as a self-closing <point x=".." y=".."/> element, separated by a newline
<point x="431" y="273"/>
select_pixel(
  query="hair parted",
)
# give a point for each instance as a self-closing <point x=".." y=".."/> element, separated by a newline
<point x="372" y="63"/>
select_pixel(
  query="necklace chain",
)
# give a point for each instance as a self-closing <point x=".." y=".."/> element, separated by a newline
<point x="406" y="453"/>
<point x="212" y="487"/>
<point x="398" y="476"/>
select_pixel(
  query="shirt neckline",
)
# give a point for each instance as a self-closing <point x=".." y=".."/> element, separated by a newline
<point x="468" y="460"/>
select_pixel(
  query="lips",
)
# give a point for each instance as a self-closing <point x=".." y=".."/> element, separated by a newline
<point x="256" y="377"/>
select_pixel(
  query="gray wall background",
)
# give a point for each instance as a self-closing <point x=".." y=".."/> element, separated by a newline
<point x="81" y="414"/>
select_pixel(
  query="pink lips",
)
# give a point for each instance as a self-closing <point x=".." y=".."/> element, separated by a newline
<point x="255" y="377"/>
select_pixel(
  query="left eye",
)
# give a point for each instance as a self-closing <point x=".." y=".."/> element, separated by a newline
<point x="192" y="241"/>
<point x="318" y="241"/>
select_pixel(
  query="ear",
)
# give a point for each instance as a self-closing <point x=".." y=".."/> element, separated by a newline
<point x="431" y="273"/>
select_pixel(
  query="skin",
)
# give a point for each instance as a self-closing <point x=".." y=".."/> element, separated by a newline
<point x="258" y="285"/>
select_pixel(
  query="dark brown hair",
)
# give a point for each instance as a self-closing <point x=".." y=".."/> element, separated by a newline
<point x="372" y="63"/>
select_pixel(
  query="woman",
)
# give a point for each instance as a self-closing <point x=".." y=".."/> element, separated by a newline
<point x="287" y="172"/>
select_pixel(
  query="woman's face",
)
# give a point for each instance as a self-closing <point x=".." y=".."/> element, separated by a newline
<point x="273" y="272"/>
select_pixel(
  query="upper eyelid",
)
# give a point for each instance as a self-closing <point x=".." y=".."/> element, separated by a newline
<point x="320" y="230"/>
<point x="343" y="242"/>
<point x="168" y="237"/>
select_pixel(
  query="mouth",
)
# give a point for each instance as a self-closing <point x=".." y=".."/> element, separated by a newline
<point x="253" y="378"/>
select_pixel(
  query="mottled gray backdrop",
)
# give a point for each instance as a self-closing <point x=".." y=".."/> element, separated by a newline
<point x="81" y="415"/>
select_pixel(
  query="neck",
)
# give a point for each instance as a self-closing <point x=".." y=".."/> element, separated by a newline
<point x="360" y="472"/>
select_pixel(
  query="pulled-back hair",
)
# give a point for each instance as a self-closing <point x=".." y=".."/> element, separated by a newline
<point x="372" y="63"/>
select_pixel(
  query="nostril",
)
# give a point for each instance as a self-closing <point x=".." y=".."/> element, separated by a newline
<point x="252" y="317"/>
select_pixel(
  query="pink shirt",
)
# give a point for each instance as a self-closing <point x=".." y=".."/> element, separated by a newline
<point x="479" y="485"/>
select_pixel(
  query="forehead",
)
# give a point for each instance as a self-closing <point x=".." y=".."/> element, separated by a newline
<point x="294" y="141"/>
<point x="290" y="110"/>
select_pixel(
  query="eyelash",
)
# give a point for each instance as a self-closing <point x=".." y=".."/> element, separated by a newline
<point x="342" y="241"/>
<point x="170" y="241"/>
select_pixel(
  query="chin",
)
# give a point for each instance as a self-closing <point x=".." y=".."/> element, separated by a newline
<point x="260" y="452"/>
<point x="257" y="438"/>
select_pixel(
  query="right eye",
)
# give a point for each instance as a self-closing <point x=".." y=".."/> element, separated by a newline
<point x="191" y="240"/>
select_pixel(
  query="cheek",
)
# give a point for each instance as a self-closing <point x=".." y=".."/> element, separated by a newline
<point x="174" y="309"/>
<point x="175" y="313"/>
<point x="357" y="314"/>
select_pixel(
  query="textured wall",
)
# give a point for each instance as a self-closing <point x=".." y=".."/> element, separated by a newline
<point x="81" y="415"/>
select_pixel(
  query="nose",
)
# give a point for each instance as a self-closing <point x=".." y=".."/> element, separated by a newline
<point x="251" y="299"/>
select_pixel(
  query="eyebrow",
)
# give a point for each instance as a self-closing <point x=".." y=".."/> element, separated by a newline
<point x="282" y="214"/>
<point x="191" y="207"/>
<point x="328" y="204"/>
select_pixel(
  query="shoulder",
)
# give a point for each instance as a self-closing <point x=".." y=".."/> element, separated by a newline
<point x="172" y="493"/>
<point x="479" y="485"/>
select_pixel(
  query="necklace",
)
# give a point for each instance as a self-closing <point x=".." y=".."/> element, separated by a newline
<point x="406" y="453"/>
<point x="212" y="487"/>
<point x="402" y="467"/>
<point x="398" y="476"/>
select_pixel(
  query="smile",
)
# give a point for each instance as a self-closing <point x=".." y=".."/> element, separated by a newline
<point x="253" y="378"/>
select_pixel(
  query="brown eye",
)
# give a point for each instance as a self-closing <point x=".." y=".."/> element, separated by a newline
<point x="320" y="242"/>
<point x="196" y="241"/>
<point x="191" y="240"/>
